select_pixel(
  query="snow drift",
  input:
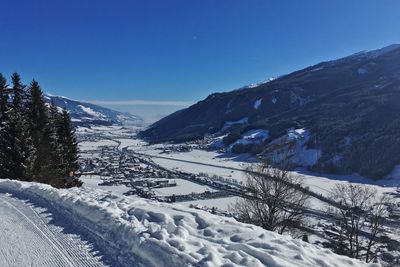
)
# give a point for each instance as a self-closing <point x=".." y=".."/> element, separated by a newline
<point x="144" y="233"/>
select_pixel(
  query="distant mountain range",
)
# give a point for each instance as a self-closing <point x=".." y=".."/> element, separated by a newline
<point x="340" y="116"/>
<point x="83" y="113"/>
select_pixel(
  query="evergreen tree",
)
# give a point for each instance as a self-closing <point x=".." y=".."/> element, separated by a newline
<point x="17" y="151"/>
<point x="68" y="145"/>
<point x="37" y="143"/>
<point x="4" y="109"/>
<point x="54" y="122"/>
<point x="44" y="167"/>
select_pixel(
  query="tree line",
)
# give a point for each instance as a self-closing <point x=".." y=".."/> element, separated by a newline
<point x="37" y="142"/>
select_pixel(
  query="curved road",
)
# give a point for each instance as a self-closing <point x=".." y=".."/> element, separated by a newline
<point x="28" y="238"/>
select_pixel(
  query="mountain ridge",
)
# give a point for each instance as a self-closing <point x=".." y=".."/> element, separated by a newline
<point x="351" y="98"/>
<point x="86" y="113"/>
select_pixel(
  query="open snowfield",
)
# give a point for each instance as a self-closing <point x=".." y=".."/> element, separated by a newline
<point x="201" y="156"/>
<point x="183" y="187"/>
<point x="93" y="145"/>
<point x="138" y="232"/>
<point x="93" y="181"/>
<point x="220" y="203"/>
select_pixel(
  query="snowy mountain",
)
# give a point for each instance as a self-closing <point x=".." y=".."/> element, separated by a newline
<point x="346" y="110"/>
<point x="135" y="232"/>
<point x="87" y="113"/>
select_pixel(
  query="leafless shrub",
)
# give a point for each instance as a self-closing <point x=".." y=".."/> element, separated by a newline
<point x="270" y="200"/>
<point x="360" y="219"/>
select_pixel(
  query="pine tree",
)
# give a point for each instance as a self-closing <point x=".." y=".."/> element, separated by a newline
<point x="36" y="142"/>
<point x="68" y="145"/>
<point x="4" y="109"/>
<point x="54" y="120"/>
<point x="17" y="151"/>
<point x="45" y="165"/>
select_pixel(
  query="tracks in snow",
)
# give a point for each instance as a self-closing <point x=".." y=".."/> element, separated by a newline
<point x="28" y="239"/>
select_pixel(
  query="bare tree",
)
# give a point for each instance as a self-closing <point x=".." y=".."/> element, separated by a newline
<point x="360" y="218"/>
<point x="272" y="199"/>
<point x="376" y="218"/>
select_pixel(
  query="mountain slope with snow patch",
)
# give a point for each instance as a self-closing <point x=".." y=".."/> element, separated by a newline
<point x="353" y="98"/>
<point x="87" y="113"/>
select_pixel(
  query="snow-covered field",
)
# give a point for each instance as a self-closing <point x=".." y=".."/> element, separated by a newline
<point x="183" y="187"/>
<point x="93" y="181"/>
<point x="93" y="145"/>
<point x="138" y="232"/>
<point x="223" y="204"/>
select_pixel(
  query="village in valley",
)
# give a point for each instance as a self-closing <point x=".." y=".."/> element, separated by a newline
<point x="112" y="158"/>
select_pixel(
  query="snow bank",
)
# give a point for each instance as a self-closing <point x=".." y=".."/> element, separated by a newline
<point x="145" y="233"/>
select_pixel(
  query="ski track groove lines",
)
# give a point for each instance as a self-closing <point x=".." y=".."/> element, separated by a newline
<point x="28" y="239"/>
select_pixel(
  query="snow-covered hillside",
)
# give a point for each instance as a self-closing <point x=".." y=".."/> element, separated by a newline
<point x="347" y="105"/>
<point x="83" y="112"/>
<point x="138" y="232"/>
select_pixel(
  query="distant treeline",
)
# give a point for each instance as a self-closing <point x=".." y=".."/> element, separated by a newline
<point x="37" y="142"/>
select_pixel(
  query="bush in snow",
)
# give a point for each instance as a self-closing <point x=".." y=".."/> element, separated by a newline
<point x="360" y="219"/>
<point x="271" y="199"/>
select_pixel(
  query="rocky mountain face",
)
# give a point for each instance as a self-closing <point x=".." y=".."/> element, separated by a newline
<point x="85" y="113"/>
<point x="341" y="116"/>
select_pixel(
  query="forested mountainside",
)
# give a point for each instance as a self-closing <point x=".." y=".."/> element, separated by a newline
<point x="339" y="116"/>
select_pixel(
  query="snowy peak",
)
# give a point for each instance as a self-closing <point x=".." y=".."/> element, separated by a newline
<point x="383" y="51"/>
<point x="87" y="113"/>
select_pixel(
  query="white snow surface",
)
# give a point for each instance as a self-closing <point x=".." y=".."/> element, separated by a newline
<point x="217" y="142"/>
<point x="299" y="154"/>
<point x="253" y="85"/>
<point x="183" y="187"/>
<point x="30" y="237"/>
<point x="257" y="103"/>
<point x="229" y="124"/>
<point x="362" y="71"/>
<point x="91" y="112"/>
<point x="251" y="137"/>
<point x="144" y="233"/>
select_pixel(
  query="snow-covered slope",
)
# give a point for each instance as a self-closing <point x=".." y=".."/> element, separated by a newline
<point x="137" y="232"/>
<point x="83" y="113"/>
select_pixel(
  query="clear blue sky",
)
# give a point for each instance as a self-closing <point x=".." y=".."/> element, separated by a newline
<point x="181" y="50"/>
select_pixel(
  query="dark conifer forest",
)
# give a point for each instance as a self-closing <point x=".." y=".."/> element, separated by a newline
<point x="37" y="142"/>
